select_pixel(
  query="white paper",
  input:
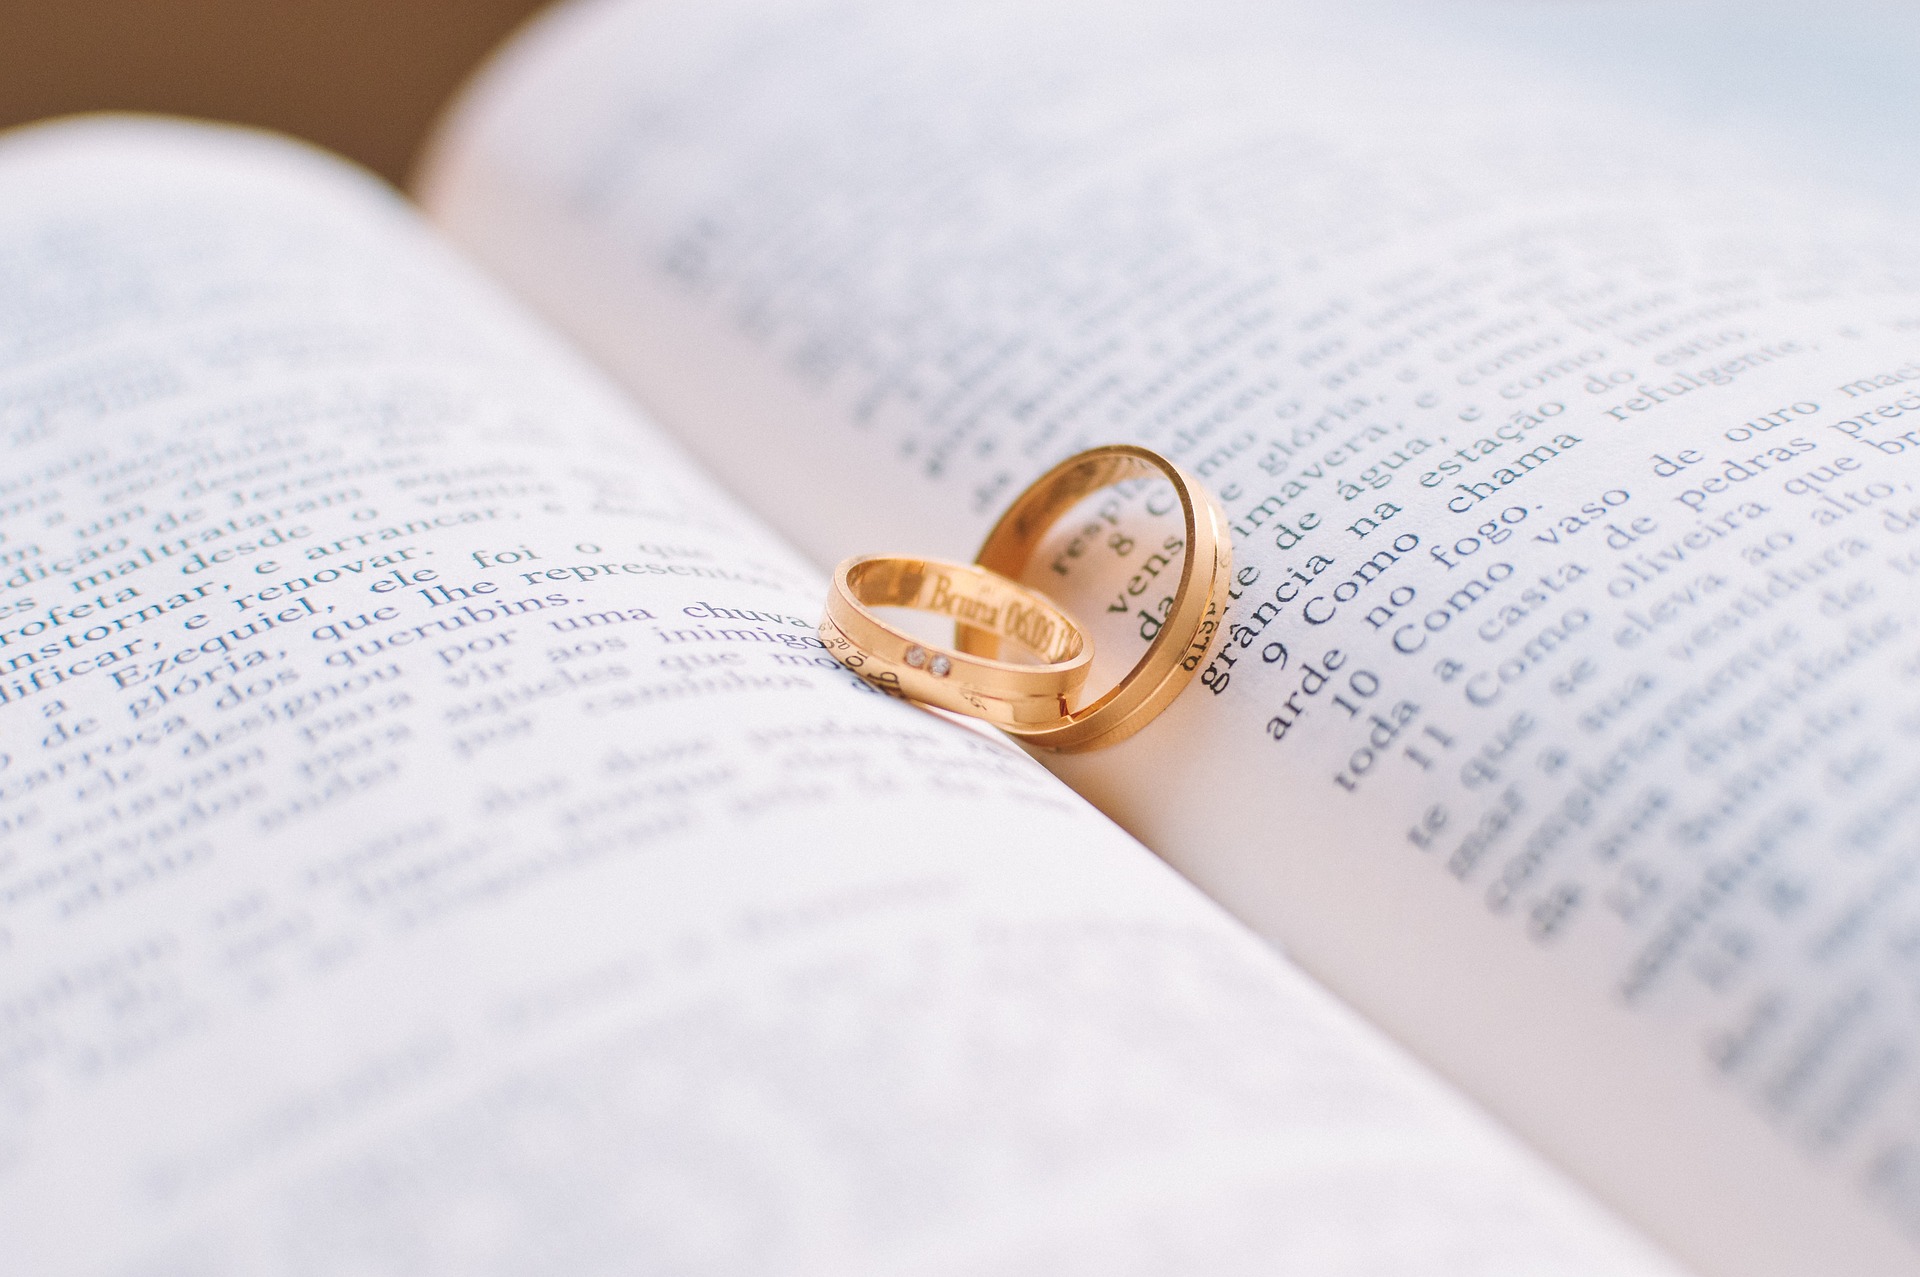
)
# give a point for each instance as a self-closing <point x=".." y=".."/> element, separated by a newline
<point x="434" y="841"/>
<point x="1566" y="727"/>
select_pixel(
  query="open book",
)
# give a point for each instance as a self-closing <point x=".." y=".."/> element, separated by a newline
<point x="436" y="841"/>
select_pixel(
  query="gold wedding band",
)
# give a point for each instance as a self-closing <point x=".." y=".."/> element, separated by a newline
<point x="1003" y="693"/>
<point x="1169" y="662"/>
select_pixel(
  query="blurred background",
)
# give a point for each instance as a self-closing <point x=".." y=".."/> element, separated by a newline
<point x="362" y="77"/>
<point x="1835" y="82"/>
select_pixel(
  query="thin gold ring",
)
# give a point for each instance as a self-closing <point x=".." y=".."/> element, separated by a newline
<point x="1168" y="664"/>
<point x="1006" y="694"/>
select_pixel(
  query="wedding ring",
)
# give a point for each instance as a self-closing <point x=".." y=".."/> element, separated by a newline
<point x="1006" y="694"/>
<point x="1199" y="601"/>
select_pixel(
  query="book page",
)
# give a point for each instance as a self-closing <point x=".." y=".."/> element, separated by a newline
<point x="434" y="840"/>
<point x="1564" y="718"/>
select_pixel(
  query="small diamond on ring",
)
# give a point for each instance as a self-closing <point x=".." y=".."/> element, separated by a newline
<point x="940" y="667"/>
<point x="916" y="656"/>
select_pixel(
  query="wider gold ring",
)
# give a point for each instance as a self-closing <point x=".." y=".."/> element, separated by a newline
<point x="1169" y="662"/>
<point x="1001" y="692"/>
